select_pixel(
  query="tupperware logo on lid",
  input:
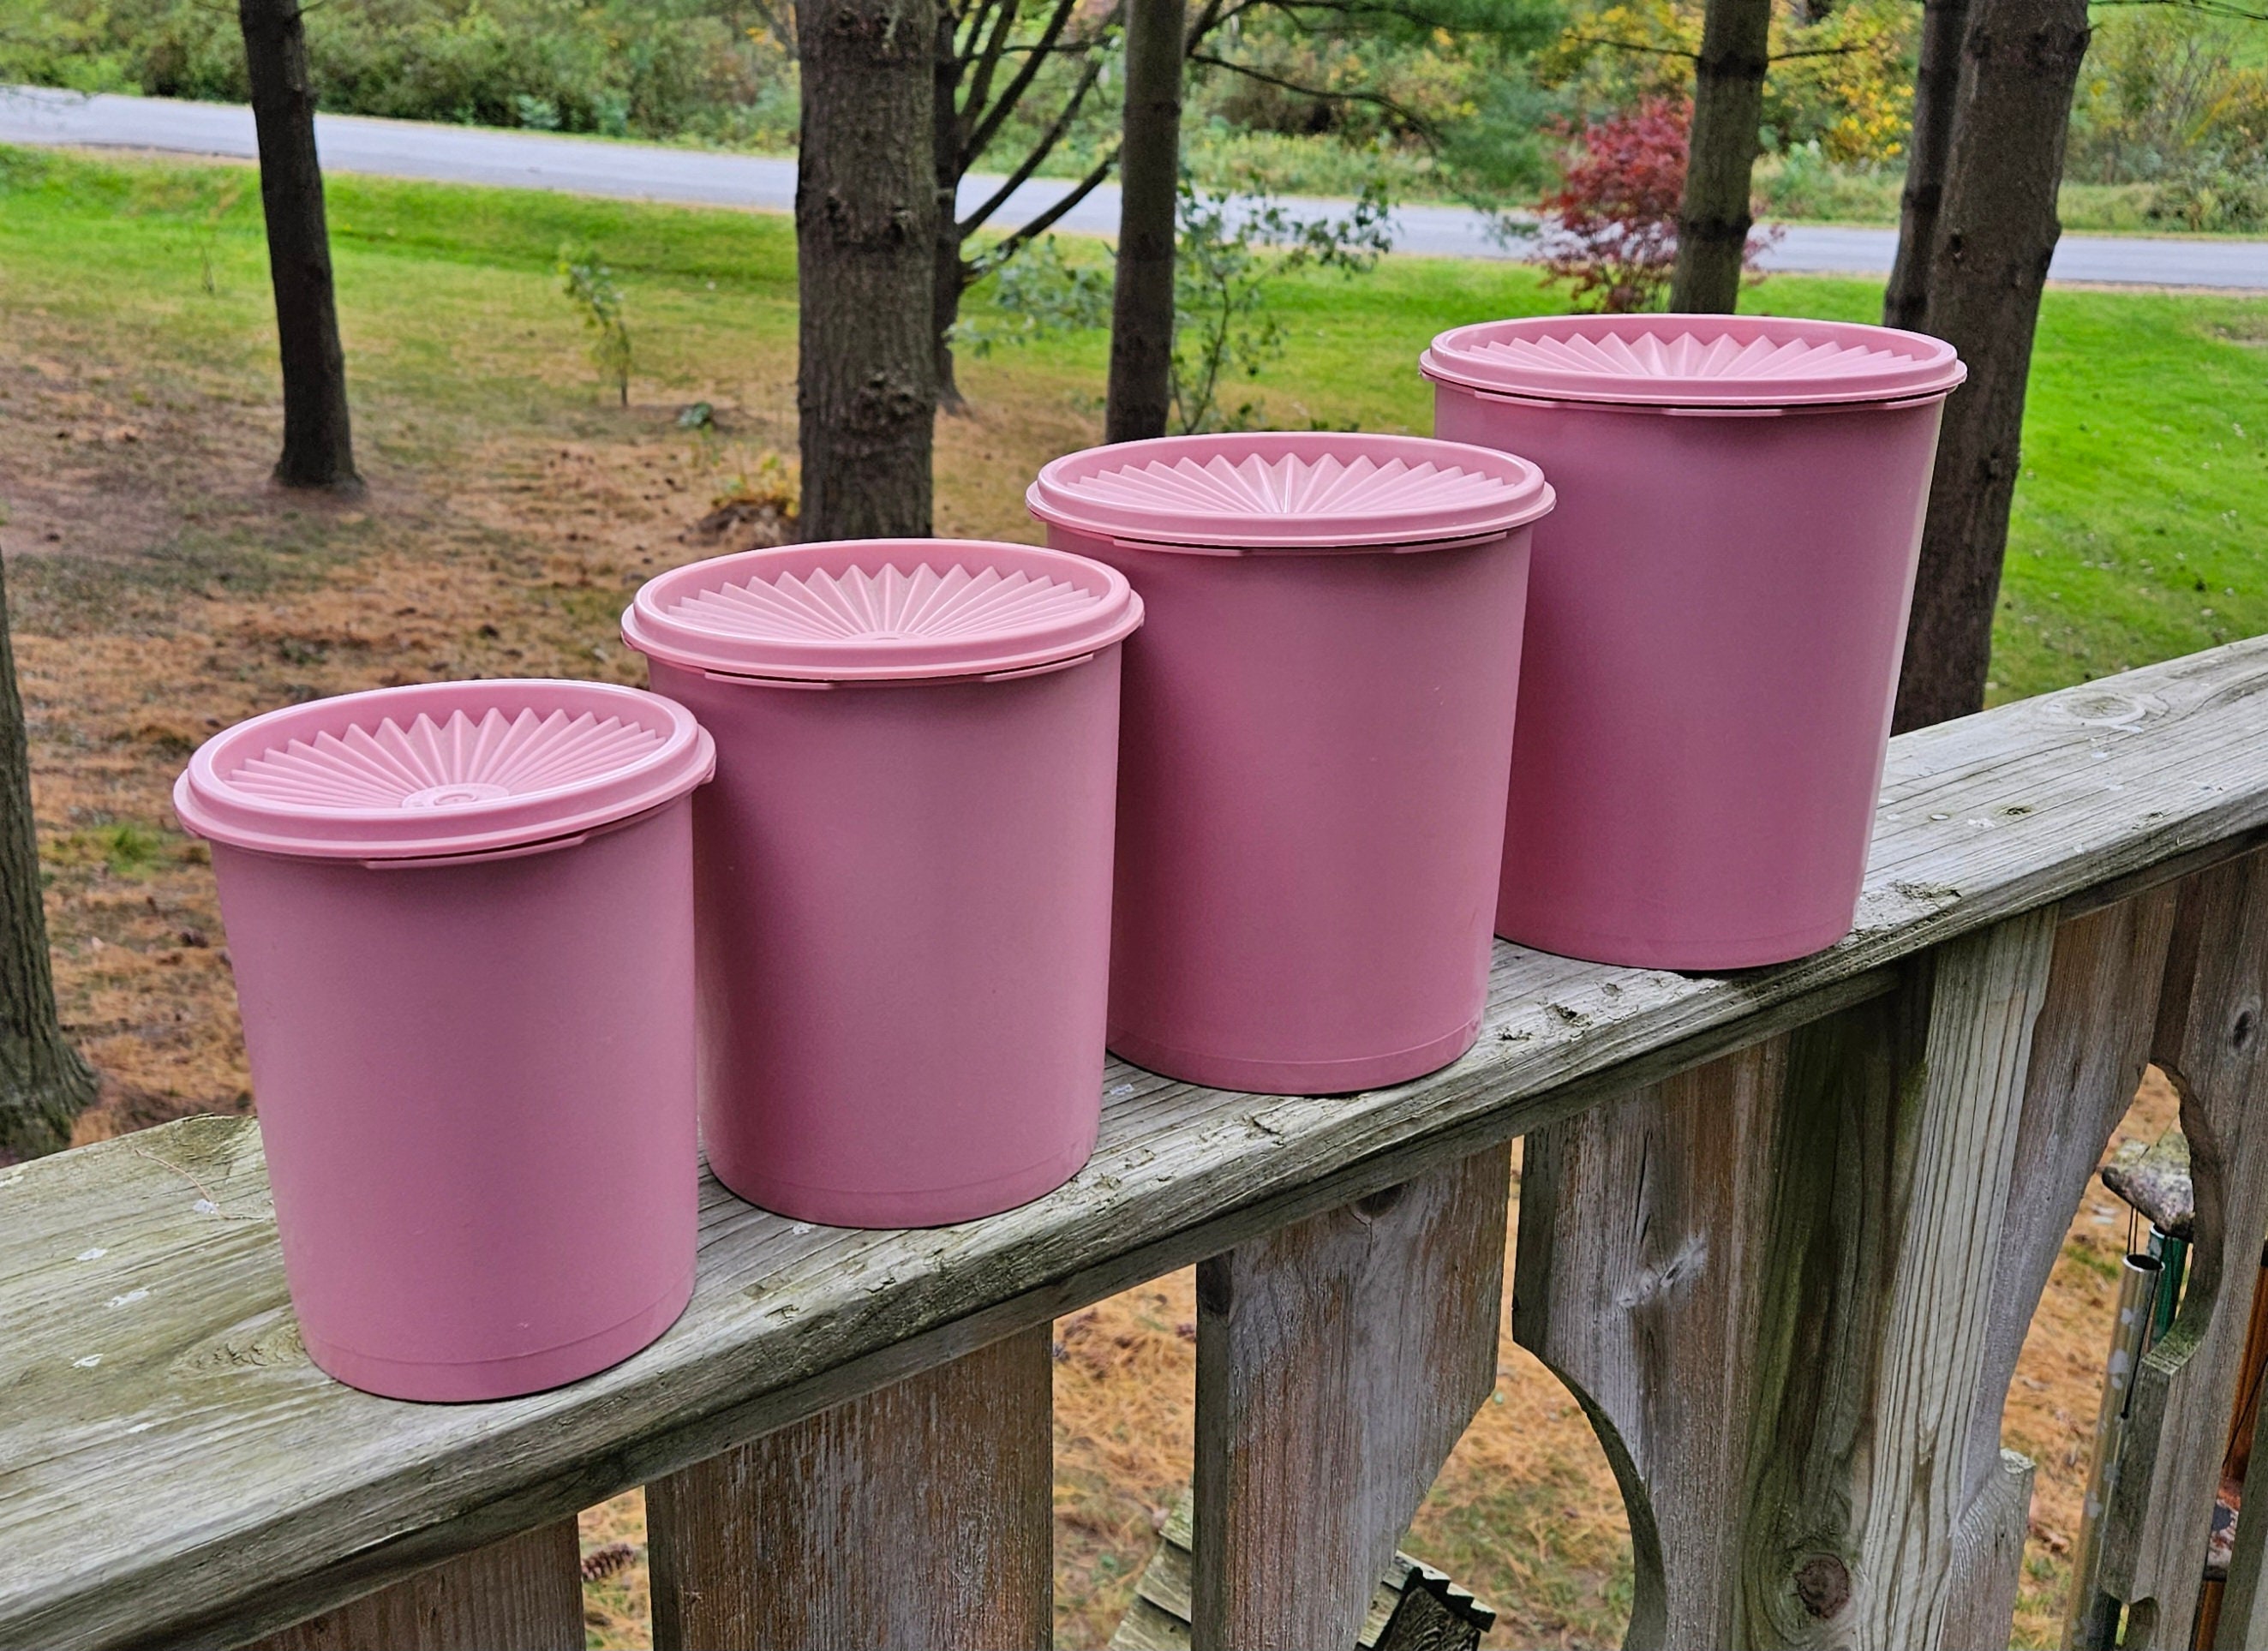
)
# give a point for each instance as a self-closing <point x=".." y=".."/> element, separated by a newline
<point x="1303" y="490"/>
<point x="442" y="769"/>
<point x="1694" y="360"/>
<point x="879" y="610"/>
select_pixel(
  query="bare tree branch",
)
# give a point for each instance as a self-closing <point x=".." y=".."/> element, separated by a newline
<point x="1039" y="153"/>
<point x="980" y="86"/>
<point x="1046" y="221"/>
<point x="1375" y="100"/>
<point x="990" y="122"/>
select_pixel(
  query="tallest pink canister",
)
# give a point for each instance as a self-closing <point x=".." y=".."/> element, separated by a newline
<point x="1715" y="618"/>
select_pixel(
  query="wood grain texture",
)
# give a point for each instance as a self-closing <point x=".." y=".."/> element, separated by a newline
<point x="1338" y="1361"/>
<point x="1636" y="1280"/>
<point x="2089" y="1047"/>
<point x="2209" y="1041"/>
<point x="921" y="1514"/>
<point x="1768" y="1280"/>
<point x="1988" y="1559"/>
<point x="122" y="1417"/>
<point x="522" y="1594"/>
<point x="1892" y="1176"/>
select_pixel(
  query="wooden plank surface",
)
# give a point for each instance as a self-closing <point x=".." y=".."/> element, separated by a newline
<point x="522" y="1594"/>
<point x="919" y="1515"/>
<point x="2210" y="1039"/>
<point x="1339" y="1359"/>
<point x="123" y="1417"/>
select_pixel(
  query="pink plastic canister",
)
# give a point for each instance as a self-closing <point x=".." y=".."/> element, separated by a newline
<point x="1715" y="621"/>
<point x="1317" y="733"/>
<point x="903" y="869"/>
<point x="462" y="921"/>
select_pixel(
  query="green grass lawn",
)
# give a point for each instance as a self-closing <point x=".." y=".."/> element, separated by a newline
<point x="2137" y="522"/>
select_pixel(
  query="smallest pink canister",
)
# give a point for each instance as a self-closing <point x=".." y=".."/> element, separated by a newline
<point x="461" y="920"/>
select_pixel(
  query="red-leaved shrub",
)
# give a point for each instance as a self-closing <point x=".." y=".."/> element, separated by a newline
<point x="1609" y="230"/>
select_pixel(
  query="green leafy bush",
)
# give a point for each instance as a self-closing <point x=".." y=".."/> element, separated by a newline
<point x="702" y="69"/>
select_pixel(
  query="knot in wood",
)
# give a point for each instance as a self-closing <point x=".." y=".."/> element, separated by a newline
<point x="2241" y="1031"/>
<point x="1823" y="1584"/>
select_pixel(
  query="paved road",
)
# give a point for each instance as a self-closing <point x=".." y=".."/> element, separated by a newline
<point x="536" y="160"/>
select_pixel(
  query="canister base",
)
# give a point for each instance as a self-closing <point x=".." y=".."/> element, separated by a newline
<point x="1679" y="954"/>
<point x="927" y="1206"/>
<point x="457" y="1383"/>
<point x="1295" y="1077"/>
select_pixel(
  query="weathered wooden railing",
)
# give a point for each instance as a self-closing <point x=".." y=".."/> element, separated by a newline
<point x="1782" y="1230"/>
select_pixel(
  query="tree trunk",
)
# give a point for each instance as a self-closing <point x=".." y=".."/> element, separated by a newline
<point x="949" y="277"/>
<point x="866" y="236"/>
<point x="43" y="1083"/>
<point x="1149" y="178"/>
<point x="1728" y="100"/>
<point x="317" y="444"/>
<point x="1937" y="89"/>
<point x="1996" y="231"/>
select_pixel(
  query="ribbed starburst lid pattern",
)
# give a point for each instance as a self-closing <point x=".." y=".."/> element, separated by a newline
<point x="1759" y="361"/>
<point x="1282" y="490"/>
<point x="881" y="610"/>
<point x="442" y="769"/>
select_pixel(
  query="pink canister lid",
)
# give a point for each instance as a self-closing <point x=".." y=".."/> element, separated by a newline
<point x="442" y="769"/>
<point x="850" y="610"/>
<point x="1314" y="489"/>
<point x="1693" y="361"/>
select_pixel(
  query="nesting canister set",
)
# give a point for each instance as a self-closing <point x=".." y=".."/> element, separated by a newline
<point x="1237" y="778"/>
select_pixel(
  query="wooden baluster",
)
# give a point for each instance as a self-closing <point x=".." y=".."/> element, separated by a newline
<point x="2089" y="1049"/>
<point x="522" y="1594"/>
<point x="1894" y="1179"/>
<point x="1635" y="1278"/>
<point x="1339" y="1359"/>
<point x="1770" y="1280"/>
<point x="919" y="1515"/>
<point x="2210" y="1041"/>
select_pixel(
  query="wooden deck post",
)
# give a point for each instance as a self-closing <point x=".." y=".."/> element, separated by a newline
<point x="522" y="1594"/>
<point x="1770" y="1281"/>
<point x="1635" y="1278"/>
<point x="919" y="1515"/>
<point x="1339" y="1359"/>
<point x="2210" y="1039"/>
<point x="2088" y="1051"/>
